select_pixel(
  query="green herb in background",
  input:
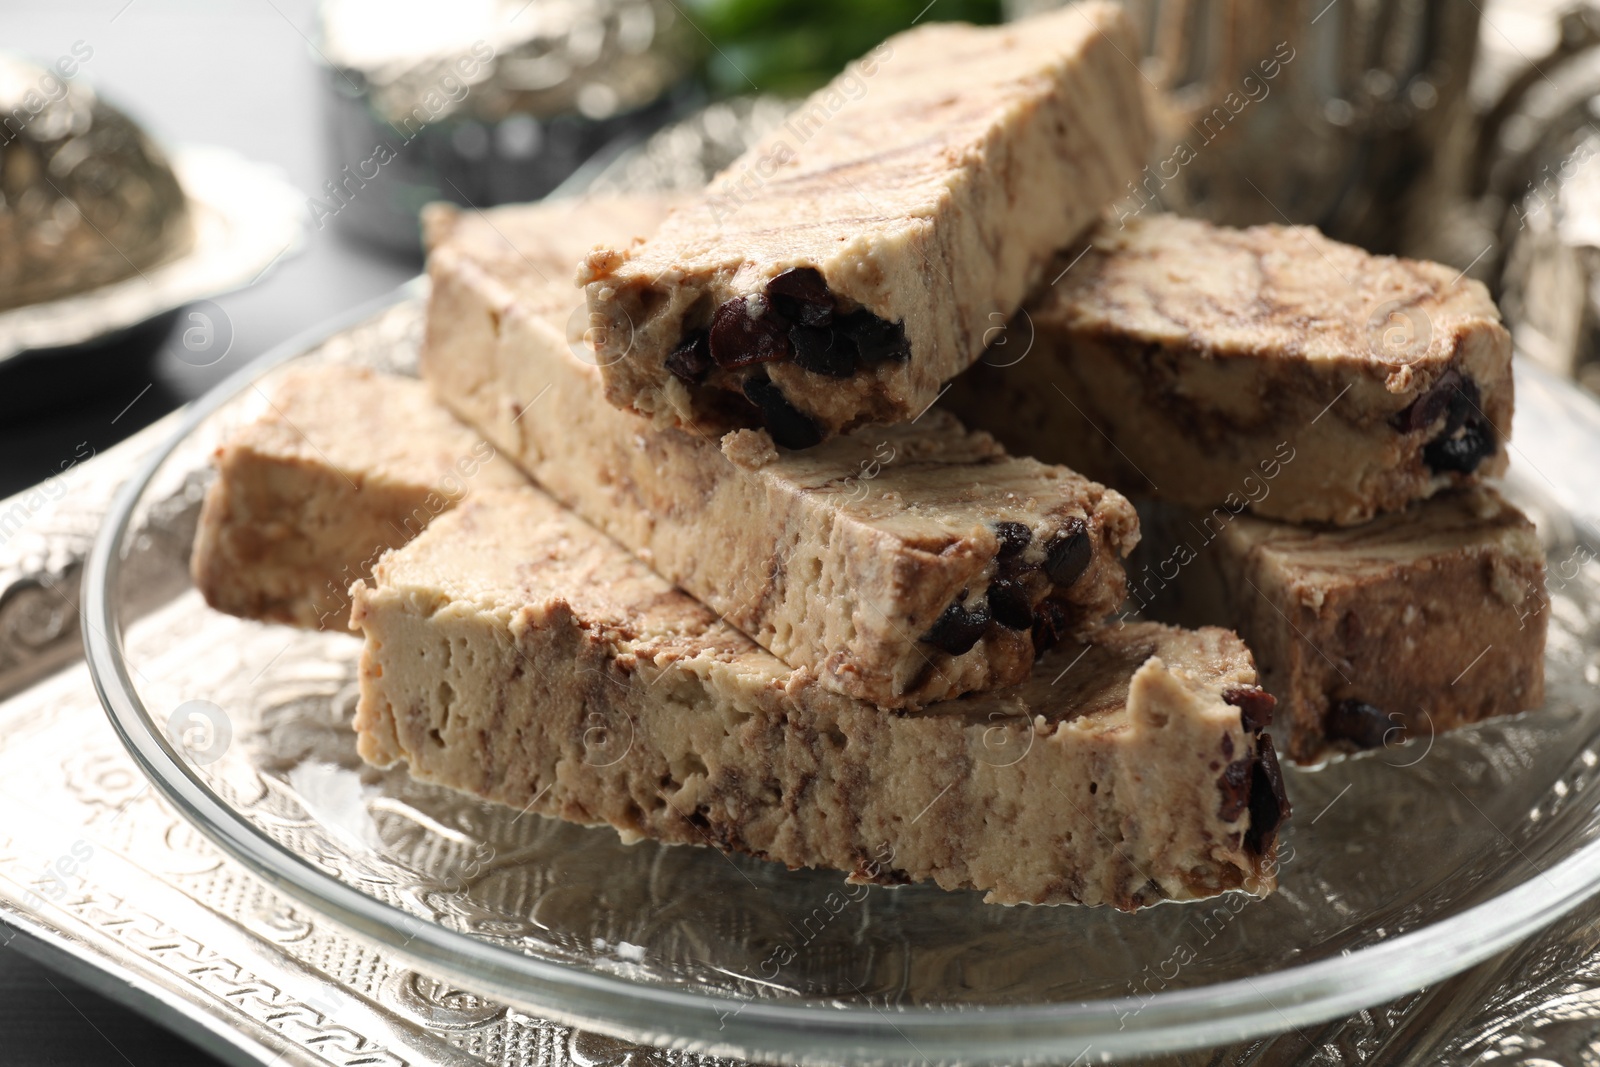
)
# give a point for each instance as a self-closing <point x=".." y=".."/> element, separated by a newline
<point x="791" y="47"/>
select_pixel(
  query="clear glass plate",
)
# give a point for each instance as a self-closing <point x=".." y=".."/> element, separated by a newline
<point x="1399" y="868"/>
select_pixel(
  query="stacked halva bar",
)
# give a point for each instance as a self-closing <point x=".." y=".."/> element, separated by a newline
<point x="510" y="634"/>
<point x="831" y="622"/>
<point x="1311" y="425"/>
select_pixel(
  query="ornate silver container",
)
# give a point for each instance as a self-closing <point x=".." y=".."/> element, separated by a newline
<point x="485" y="103"/>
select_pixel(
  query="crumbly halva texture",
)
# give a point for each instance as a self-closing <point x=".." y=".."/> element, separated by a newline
<point x="1271" y="366"/>
<point x="1415" y="623"/>
<point x="515" y="653"/>
<point x="901" y="564"/>
<point x="342" y="465"/>
<point x="862" y="253"/>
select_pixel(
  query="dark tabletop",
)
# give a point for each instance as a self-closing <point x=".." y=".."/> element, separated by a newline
<point x="240" y="75"/>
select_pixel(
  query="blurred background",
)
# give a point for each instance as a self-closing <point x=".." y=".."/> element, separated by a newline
<point x="185" y="186"/>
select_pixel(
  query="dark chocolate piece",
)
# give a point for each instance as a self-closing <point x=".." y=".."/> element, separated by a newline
<point x="1234" y="785"/>
<point x="1008" y="603"/>
<point x="1014" y="537"/>
<point x="1069" y="554"/>
<point x="959" y="628"/>
<point x="690" y="362"/>
<point x="1255" y="706"/>
<point x="877" y="340"/>
<point x="823" y="350"/>
<point x="1425" y="410"/>
<point x="801" y="295"/>
<point x="1269" y="800"/>
<point x="788" y="426"/>
<point x="1461" y="452"/>
<point x="1467" y="438"/>
<point x="739" y="339"/>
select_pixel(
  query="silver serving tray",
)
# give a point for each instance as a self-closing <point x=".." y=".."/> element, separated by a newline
<point x="300" y="986"/>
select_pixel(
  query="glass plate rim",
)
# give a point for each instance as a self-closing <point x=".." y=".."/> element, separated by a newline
<point x="1166" y="1022"/>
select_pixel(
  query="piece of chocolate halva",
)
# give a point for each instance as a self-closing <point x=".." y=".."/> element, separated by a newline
<point x="521" y="655"/>
<point x="1307" y="378"/>
<point x="1415" y="623"/>
<point x="860" y="255"/>
<point x="342" y="465"/>
<point x="901" y="564"/>
<point x="515" y="653"/>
